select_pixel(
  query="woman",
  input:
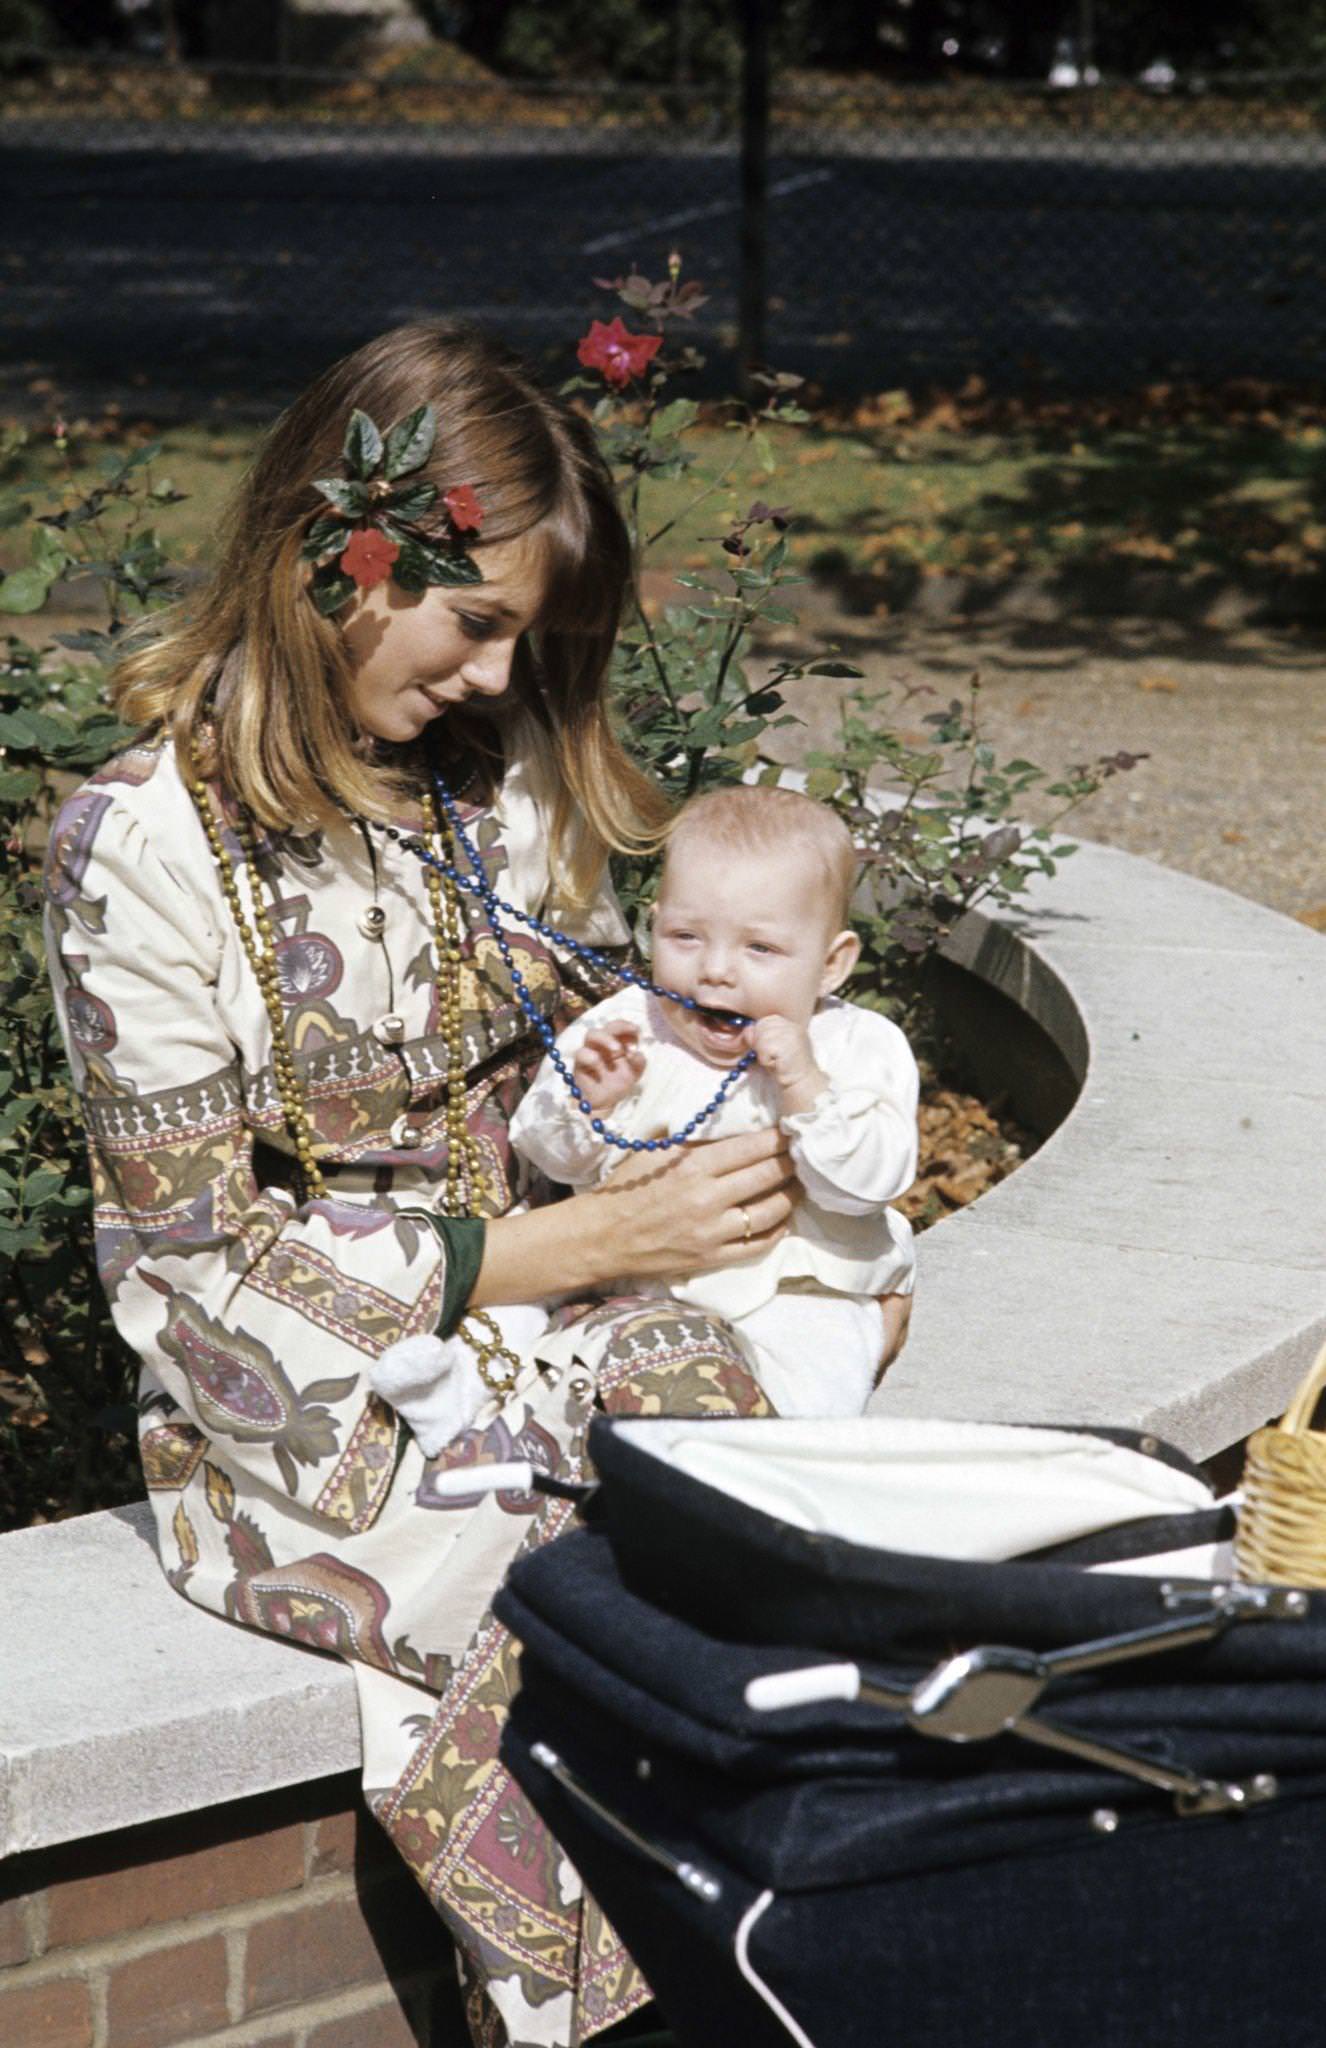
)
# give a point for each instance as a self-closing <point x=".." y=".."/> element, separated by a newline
<point x="299" y="1046"/>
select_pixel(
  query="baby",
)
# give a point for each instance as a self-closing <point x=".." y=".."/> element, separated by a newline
<point x="752" y="923"/>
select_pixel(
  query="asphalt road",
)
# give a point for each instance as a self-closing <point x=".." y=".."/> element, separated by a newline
<point x="192" y="265"/>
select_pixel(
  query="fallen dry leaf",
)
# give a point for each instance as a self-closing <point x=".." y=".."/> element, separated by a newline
<point x="1157" y="682"/>
<point x="1315" y="920"/>
<point x="1233" y="837"/>
<point x="965" y="1149"/>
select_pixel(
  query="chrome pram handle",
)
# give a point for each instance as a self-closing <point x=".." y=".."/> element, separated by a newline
<point x="990" y="1691"/>
<point x="695" y="1880"/>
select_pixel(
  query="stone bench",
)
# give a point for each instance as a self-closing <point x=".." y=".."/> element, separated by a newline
<point x="1158" y="1263"/>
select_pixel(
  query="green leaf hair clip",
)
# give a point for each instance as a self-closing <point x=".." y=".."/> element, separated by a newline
<point x="371" y="529"/>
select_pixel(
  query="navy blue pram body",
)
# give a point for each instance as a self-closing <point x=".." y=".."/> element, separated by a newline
<point x="829" y="1874"/>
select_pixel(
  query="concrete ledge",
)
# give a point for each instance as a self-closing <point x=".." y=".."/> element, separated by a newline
<point x="1158" y="1263"/>
<point x="121" y="1703"/>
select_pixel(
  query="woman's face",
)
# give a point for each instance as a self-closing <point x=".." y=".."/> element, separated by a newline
<point x="414" y="658"/>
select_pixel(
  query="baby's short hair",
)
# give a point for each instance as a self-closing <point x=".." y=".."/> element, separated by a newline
<point x="761" y="818"/>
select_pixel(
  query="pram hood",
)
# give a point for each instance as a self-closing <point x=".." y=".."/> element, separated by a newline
<point x="872" y="1534"/>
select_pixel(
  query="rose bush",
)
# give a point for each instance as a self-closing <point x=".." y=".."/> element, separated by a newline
<point x="696" y="701"/>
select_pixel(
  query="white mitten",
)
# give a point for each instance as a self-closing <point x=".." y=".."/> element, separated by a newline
<point x="433" y="1383"/>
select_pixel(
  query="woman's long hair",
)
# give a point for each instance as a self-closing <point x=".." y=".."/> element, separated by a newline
<point x="249" y="679"/>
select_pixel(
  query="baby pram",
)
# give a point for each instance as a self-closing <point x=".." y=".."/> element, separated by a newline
<point x="861" y="1728"/>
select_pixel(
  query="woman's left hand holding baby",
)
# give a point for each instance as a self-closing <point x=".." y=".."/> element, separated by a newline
<point x="783" y="1049"/>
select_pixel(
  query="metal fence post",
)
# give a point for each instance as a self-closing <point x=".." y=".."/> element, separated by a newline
<point x="754" y="182"/>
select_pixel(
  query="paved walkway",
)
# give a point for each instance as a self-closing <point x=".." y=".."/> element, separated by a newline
<point x="1234" y="723"/>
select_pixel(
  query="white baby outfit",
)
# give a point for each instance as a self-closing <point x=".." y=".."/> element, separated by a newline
<point x="806" y="1311"/>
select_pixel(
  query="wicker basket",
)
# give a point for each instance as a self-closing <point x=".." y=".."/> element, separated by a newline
<point x="1281" y="1538"/>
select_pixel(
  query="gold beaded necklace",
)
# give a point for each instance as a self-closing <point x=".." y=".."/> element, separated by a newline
<point x="259" y="942"/>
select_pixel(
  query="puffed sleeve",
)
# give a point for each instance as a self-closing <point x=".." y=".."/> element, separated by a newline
<point x="256" y="1315"/>
<point x="855" y="1149"/>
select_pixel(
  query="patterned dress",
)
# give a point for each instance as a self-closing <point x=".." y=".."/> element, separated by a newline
<point x="287" y="1496"/>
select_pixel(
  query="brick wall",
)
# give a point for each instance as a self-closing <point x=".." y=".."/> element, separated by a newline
<point x="284" y="1921"/>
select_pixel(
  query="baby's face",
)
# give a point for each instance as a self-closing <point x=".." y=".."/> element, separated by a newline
<point x="741" y="932"/>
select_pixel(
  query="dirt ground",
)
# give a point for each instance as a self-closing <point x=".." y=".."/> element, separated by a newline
<point x="1233" y="723"/>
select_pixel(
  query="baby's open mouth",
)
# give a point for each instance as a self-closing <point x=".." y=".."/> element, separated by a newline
<point x="727" y="1022"/>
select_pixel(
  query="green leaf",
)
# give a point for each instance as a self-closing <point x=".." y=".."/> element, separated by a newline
<point x="49" y="553"/>
<point x="452" y="569"/>
<point x="326" y="536"/>
<point x="40" y="1186"/>
<point x="413" y="502"/>
<point x="673" y="419"/>
<point x="363" y="446"/>
<point x="29" y="728"/>
<point x="763" y="450"/>
<point x="833" y="668"/>
<point x="822" y="782"/>
<point x="410" y="568"/>
<point x="410" y="443"/>
<point x="25" y="591"/>
<point x="16" y="784"/>
<point x="331" y="594"/>
<point x="15" y="1112"/>
<point x="350" y="500"/>
<point x="16" y="729"/>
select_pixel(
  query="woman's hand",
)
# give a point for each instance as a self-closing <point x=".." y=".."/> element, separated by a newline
<point x="701" y="1206"/>
<point x="662" y="1214"/>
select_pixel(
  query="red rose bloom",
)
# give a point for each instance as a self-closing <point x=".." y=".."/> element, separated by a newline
<point x="621" y="355"/>
<point x="463" y="508"/>
<point x="369" y="556"/>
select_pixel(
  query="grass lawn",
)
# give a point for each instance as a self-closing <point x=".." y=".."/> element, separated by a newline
<point x="1201" y="494"/>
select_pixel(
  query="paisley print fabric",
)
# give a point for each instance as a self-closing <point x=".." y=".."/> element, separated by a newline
<point x="287" y="1496"/>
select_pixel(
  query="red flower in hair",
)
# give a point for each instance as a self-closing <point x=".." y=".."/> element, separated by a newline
<point x="369" y="556"/>
<point x="464" y="508"/>
<point x="612" y="348"/>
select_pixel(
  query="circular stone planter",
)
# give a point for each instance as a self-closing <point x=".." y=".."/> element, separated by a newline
<point x="1159" y="1263"/>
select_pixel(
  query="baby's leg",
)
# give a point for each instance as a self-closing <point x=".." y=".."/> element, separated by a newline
<point x="815" y="1354"/>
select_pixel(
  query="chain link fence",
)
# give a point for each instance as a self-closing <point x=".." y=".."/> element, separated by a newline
<point x="221" y="230"/>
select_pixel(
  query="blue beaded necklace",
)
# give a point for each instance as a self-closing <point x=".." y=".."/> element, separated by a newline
<point x="476" y="884"/>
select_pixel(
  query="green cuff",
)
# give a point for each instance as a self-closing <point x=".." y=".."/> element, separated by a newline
<point x="462" y="1239"/>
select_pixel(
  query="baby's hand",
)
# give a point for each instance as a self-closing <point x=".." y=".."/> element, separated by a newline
<point x="783" y="1050"/>
<point x="608" y="1064"/>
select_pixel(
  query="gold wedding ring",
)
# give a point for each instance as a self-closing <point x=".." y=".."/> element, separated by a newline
<point x="745" y="1223"/>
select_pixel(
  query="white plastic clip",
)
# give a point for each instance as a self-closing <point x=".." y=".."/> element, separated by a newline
<point x="515" y="1476"/>
<point x="806" y="1687"/>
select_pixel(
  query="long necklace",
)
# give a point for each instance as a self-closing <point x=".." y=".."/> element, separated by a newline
<point x="476" y="884"/>
<point x="259" y="942"/>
